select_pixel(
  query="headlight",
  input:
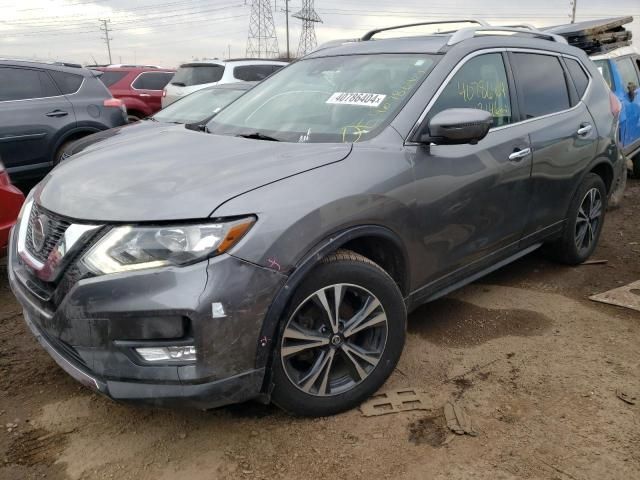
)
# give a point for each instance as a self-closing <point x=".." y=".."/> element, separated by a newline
<point x="134" y="248"/>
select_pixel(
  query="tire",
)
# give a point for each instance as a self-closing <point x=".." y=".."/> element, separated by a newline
<point x="133" y="118"/>
<point x="60" y="151"/>
<point x="315" y="382"/>
<point x="569" y="249"/>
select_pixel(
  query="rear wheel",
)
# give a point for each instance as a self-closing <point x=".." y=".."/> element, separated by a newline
<point x="132" y="118"/>
<point x="584" y="222"/>
<point x="636" y="166"/>
<point x="60" y="153"/>
<point x="341" y="339"/>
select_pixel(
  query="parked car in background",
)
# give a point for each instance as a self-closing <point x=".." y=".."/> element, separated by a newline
<point x="276" y="254"/>
<point x="621" y="70"/>
<point x="44" y="107"/>
<point x="197" y="75"/>
<point x="139" y="87"/>
<point x="194" y="109"/>
<point x="10" y="202"/>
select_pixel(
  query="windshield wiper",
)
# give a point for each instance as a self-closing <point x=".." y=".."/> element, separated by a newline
<point x="258" y="136"/>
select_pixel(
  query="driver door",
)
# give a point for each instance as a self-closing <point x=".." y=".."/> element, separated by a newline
<point x="472" y="200"/>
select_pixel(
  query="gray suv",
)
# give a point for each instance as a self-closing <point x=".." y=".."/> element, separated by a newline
<point x="44" y="107"/>
<point x="275" y="255"/>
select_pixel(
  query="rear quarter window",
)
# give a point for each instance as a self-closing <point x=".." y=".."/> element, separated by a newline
<point x="541" y="84"/>
<point x="578" y="75"/>
<point x="111" y="78"/>
<point x="254" y="73"/>
<point x="194" y="74"/>
<point x="68" y="83"/>
<point x="152" y="80"/>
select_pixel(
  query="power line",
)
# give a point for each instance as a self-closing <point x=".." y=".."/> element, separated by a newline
<point x="106" y="38"/>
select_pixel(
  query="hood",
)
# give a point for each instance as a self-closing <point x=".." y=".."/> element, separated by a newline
<point x="171" y="173"/>
<point x="123" y="131"/>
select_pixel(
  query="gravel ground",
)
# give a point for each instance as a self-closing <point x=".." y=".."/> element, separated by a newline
<point x="534" y="362"/>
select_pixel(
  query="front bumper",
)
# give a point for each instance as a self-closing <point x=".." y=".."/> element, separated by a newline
<point x="91" y="331"/>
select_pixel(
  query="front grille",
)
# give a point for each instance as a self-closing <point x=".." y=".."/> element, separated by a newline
<point x="55" y="226"/>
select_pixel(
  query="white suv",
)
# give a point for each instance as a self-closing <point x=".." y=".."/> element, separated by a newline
<point x="197" y="75"/>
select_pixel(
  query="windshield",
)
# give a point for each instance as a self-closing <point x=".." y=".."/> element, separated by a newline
<point x="328" y="99"/>
<point x="199" y="106"/>
<point x="194" y="74"/>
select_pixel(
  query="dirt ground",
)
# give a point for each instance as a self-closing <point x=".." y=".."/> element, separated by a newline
<point x="534" y="362"/>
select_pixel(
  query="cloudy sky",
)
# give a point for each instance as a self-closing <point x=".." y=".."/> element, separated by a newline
<point x="168" y="32"/>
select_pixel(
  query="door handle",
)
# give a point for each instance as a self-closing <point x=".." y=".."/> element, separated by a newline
<point x="145" y="95"/>
<point x="584" y="129"/>
<point x="57" y="113"/>
<point x="519" y="154"/>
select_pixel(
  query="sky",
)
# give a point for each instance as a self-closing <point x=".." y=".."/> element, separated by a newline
<point x="169" y="32"/>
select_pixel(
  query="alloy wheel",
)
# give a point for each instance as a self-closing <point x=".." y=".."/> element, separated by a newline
<point x="334" y="339"/>
<point x="589" y="218"/>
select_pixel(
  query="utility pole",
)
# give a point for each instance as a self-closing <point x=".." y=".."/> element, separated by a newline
<point x="106" y="38"/>
<point x="574" y="4"/>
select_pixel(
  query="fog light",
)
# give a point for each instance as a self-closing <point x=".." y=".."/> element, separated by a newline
<point x="159" y="354"/>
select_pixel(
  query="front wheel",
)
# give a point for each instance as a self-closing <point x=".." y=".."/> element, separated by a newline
<point x="584" y="222"/>
<point x="341" y="338"/>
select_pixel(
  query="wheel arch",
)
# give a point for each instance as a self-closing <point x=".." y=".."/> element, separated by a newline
<point x="367" y="240"/>
<point x="71" y="134"/>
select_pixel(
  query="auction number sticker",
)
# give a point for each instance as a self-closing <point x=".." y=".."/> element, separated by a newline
<point x="361" y="99"/>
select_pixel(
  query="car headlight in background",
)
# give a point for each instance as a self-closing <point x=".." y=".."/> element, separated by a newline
<point x="130" y="248"/>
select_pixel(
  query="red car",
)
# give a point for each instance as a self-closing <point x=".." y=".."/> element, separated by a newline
<point x="139" y="87"/>
<point x="10" y="202"/>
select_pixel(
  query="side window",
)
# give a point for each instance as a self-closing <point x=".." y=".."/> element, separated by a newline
<point x="152" y="80"/>
<point x="628" y="75"/>
<point x="24" y="84"/>
<point x="68" y="83"/>
<point x="253" y="73"/>
<point x="480" y="83"/>
<point x="111" y="78"/>
<point x="541" y="83"/>
<point x="578" y="75"/>
<point x="605" y="70"/>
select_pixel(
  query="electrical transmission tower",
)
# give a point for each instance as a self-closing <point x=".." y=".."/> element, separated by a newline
<point x="107" y="38"/>
<point x="309" y="18"/>
<point x="262" y="41"/>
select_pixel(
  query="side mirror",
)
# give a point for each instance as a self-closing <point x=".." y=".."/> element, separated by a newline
<point x="455" y="126"/>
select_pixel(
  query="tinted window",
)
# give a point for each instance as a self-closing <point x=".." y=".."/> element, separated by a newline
<point x="627" y="73"/>
<point x="152" y="80"/>
<point x="111" y="78"/>
<point x="188" y="75"/>
<point x="67" y="82"/>
<point x="541" y="83"/>
<point x="605" y="70"/>
<point x="22" y="84"/>
<point x="480" y="83"/>
<point x="579" y="77"/>
<point x="199" y="106"/>
<point x="254" y="73"/>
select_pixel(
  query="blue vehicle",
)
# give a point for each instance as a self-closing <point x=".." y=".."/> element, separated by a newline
<point x="621" y="70"/>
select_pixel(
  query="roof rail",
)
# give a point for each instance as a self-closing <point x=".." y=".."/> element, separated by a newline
<point x="470" y="32"/>
<point x="369" y="35"/>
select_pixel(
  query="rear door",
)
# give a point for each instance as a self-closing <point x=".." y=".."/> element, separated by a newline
<point x="32" y="111"/>
<point x="563" y="135"/>
<point x="148" y="86"/>
<point x="472" y="199"/>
